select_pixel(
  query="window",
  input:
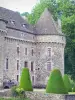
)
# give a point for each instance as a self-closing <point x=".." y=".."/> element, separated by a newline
<point x="17" y="64"/>
<point x="32" y="52"/>
<point x="18" y="50"/>
<point x="32" y="66"/>
<point x="17" y="77"/>
<point x="6" y="63"/>
<point x="13" y="22"/>
<point x="24" y="25"/>
<point x="25" y="51"/>
<point x="25" y="64"/>
<point x="49" y="52"/>
<point x="49" y="66"/>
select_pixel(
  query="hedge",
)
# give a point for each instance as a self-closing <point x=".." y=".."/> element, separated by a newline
<point x="55" y="83"/>
<point x="25" y="81"/>
<point x="67" y="83"/>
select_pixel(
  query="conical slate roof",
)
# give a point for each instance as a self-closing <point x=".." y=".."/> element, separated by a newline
<point x="47" y="25"/>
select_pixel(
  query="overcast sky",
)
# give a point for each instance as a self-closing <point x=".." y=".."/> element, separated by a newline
<point x="18" y="5"/>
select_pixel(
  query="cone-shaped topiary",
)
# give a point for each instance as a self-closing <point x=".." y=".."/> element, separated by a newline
<point x="55" y="83"/>
<point x="25" y="81"/>
<point x="67" y="83"/>
<point x="73" y="90"/>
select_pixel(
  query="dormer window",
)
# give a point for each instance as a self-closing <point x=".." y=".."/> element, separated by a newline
<point x="13" y="22"/>
<point x="24" y="25"/>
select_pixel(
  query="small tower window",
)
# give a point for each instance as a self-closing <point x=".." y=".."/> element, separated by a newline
<point x="6" y="63"/>
<point x="48" y="66"/>
<point x="49" y="52"/>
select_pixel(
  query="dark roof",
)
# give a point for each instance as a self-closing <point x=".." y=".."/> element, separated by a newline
<point x="14" y="20"/>
<point x="46" y="25"/>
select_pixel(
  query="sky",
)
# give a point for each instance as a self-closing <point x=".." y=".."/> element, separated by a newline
<point x="18" y="5"/>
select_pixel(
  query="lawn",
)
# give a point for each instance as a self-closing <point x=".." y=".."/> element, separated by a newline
<point x="13" y="99"/>
<point x="40" y="90"/>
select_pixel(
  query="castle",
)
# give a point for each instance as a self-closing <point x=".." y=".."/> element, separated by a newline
<point x="40" y="48"/>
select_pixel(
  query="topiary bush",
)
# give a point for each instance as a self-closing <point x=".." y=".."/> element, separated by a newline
<point x="67" y="83"/>
<point x="55" y="83"/>
<point x="25" y="81"/>
<point x="73" y="90"/>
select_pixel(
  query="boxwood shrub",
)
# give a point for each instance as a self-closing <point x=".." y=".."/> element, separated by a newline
<point x="25" y="81"/>
<point x="55" y="83"/>
<point x="73" y="90"/>
<point x="67" y="83"/>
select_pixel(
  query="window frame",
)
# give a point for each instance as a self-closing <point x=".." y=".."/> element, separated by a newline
<point x="32" y="52"/>
<point x="49" y="67"/>
<point x="18" y="49"/>
<point x="32" y="66"/>
<point x="26" y="64"/>
<point x="17" y="78"/>
<point x="7" y="63"/>
<point x="17" y="64"/>
<point x="25" y="51"/>
<point x="49" y="51"/>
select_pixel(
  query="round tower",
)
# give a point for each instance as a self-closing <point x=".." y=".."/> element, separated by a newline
<point x="50" y="44"/>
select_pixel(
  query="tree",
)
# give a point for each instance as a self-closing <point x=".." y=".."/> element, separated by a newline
<point x="68" y="27"/>
<point x="55" y="83"/>
<point x="39" y="8"/>
<point x="25" y="81"/>
<point x="26" y="14"/>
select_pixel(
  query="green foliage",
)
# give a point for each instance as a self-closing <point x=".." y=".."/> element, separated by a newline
<point x="55" y="83"/>
<point x="39" y="8"/>
<point x="14" y="99"/>
<point x="36" y="12"/>
<point x="18" y="92"/>
<point x="25" y="14"/>
<point x="14" y="92"/>
<point x="67" y="7"/>
<point x="25" y="81"/>
<point x="67" y="83"/>
<point x="73" y="88"/>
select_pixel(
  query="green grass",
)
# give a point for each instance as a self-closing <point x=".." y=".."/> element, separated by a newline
<point x="14" y="99"/>
<point x="71" y="93"/>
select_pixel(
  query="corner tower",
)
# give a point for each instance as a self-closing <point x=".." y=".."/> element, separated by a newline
<point x="50" y="44"/>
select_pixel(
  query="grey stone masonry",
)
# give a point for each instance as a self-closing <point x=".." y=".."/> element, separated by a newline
<point x="39" y="95"/>
<point x="47" y="96"/>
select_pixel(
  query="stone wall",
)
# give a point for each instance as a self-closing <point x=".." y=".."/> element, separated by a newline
<point x="11" y="53"/>
<point x="46" y="96"/>
<point x="39" y="95"/>
<point x="56" y="59"/>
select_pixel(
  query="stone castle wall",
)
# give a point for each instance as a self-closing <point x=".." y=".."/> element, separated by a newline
<point x="40" y="45"/>
<point x="11" y="45"/>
